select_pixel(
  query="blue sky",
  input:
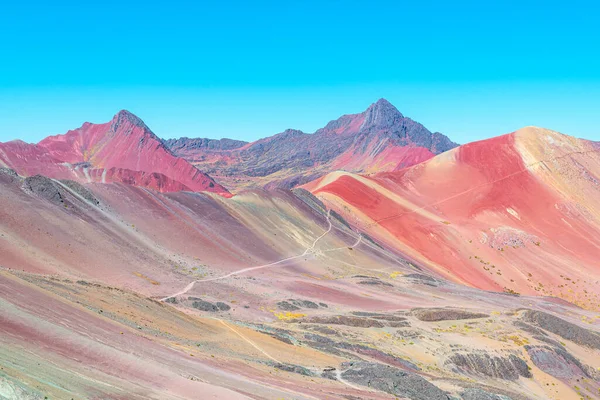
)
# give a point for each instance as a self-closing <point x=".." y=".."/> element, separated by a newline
<point x="246" y="70"/>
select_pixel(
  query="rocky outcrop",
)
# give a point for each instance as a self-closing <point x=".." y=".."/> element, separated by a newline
<point x="371" y="280"/>
<point x="556" y="362"/>
<point x="45" y="188"/>
<point x="445" y="314"/>
<point x="562" y="328"/>
<point x="391" y="380"/>
<point x="81" y="190"/>
<point x="204" y="305"/>
<point x="484" y="364"/>
<point x="296" y="304"/>
<point x="8" y="175"/>
<point x="310" y="199"/>
<point x="480" y="394"/>
<point x="347" y="321"/>
<point x="296" y="369"/>
<point x="422" y="279"/>
<point x="331" y="346"/>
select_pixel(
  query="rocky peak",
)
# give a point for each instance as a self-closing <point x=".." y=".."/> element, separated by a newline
<point x="292" y="133"/>
<point x="381" y="114"/>
<point x="125" y="121"/>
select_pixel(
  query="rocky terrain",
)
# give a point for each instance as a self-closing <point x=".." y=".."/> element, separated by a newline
<point x="378" y="139"/>
<point x="258" y="296"/>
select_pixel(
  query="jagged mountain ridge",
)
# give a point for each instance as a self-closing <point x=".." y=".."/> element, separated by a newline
<point x="378" y="139"/>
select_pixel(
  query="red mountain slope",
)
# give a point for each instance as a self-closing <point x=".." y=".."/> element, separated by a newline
<point x="520" y="212"/>
<point x="122" y="150"/>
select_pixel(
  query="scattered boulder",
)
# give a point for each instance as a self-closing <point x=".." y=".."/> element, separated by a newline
<point x="508" y="368"/>
<point x="223" y="306"/>
<point x="171" y="300"/>
<point x="391" y="380"/>
<point x="445" y="314"/>
<point x="562" y="328"/>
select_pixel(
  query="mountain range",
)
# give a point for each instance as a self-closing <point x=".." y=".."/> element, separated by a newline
<point x="122" y="150"/>
<point x="370" y="259"/>
<point x="378" y="139"/>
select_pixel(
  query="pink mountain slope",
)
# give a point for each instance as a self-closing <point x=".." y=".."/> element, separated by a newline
<point x="122" y="150"/>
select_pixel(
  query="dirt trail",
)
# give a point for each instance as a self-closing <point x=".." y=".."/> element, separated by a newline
<point x="241" y="271"/>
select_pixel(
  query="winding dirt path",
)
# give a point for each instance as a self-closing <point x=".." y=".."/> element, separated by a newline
<point x="242" y="271"/>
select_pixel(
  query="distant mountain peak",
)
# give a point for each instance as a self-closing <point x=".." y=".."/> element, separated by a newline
<point x="384" y="106"/>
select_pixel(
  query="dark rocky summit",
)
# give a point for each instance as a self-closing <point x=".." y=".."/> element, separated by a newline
<point x="305" y="156"/>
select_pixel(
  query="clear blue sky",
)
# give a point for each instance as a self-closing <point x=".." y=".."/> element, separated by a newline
<point x="249" y="69"/>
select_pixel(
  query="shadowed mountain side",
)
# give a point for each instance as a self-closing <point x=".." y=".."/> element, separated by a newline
<point x="378" y="139"/>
